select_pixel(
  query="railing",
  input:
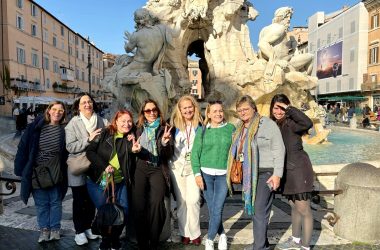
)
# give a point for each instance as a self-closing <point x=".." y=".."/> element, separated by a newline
<point x="370" y="86"/>
<point x="26" y="86"/>
<point x="67" y="90"/>
<point x="10" y="183"/>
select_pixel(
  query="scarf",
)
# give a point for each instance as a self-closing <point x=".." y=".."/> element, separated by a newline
<point x="91" y="123"/>
<point x="150" y="130"/>
<point x="250" y="164"/>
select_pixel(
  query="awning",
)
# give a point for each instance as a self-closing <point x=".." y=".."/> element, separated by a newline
<point x="41" y="100"/>
<point x="342" y="98"/>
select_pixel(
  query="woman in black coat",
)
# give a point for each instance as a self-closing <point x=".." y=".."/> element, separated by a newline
<point x="151" y="178"/>
<point x="298" y="181"/>
<point x="112" y="153"/>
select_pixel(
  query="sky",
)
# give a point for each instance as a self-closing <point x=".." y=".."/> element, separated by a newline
<point x="105" y="21"/>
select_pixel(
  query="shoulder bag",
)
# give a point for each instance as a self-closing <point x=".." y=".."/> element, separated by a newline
<point x="78" y="164"/>
<point x="48" y="173"/>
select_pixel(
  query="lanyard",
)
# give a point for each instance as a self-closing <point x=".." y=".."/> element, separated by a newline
<point x="188" y="134"/>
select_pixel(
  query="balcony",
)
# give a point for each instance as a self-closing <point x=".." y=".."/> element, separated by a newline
<point x="370" y="83"/>
<point x="65" y="89"/>
<point x="24" y="85"/>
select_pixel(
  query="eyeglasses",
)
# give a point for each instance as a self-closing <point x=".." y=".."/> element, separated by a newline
<point x="57" y="110"/>
<point x="215" y="102"/>
<point x="242" y="110"/>
<point x="88" y="102"/>
<point x="149" y="111"/>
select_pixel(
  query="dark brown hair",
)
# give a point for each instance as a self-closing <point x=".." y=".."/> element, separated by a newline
<point x="141" y="118"/>
<point x="75" y="107"/>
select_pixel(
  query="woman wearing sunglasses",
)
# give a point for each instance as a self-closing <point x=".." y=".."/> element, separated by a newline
<point x="151" y="177"/>
<point x="42" y="143"/>
<point x="209" y="162"/>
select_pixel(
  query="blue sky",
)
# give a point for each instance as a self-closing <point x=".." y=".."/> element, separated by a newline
<point x="105" y="21"/>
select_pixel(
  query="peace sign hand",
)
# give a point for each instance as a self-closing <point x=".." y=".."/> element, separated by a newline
<point x="167" y="135"/>
<point x="136" y="147"/>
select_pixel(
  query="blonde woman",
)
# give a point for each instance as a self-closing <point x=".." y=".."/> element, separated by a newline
<point x="186" y="119"/>
<point x="209" y="162"/>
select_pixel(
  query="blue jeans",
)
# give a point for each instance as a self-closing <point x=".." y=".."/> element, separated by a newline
<point x="215" y="194"/>
<point x="48" y="203"/>
<point x="99" y="198"/>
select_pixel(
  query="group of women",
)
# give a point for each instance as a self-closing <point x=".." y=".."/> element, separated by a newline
<point x="154" y="159"/>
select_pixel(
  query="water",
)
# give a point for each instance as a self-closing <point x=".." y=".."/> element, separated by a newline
<point x="345" y="146"/>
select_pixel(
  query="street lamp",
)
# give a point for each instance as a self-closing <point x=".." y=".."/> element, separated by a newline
<point x="89" y="64"/>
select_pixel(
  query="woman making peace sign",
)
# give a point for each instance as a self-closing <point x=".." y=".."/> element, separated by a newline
<point x="153" y="149"/>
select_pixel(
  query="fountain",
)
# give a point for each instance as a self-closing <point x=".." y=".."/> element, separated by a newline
<point x="167" y="31"/>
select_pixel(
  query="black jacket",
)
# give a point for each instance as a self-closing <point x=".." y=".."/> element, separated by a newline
<point x="99" y="153"/>
<point x="164" y="152"/>
<point x="299" y="174"/>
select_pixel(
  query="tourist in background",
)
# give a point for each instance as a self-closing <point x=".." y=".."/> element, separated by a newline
<point x="186" y="119"/>
<point x="209" y="163"/>
<point x="262" y="157"/>
<point x="152" y="177"/>
<point x="83" y="128"/>
<point x="112" y="154"/>
<point x="42" y="142"/>
<point x="298" y="181"/>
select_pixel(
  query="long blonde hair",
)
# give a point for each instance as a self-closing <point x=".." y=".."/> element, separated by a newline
<point x="176" y="118"/>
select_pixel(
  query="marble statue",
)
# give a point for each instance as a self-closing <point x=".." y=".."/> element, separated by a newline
<point x="168" y="31"/>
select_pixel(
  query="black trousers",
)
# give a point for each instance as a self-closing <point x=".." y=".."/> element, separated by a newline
<point x="148" y="193"/>
<point x="83" y="209"/>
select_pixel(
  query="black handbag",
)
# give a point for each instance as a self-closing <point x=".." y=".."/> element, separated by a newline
<point x="48" y="173"/>
<point x="109" y="218"/>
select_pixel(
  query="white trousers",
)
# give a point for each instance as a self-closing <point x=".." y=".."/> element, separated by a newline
<point x="188" y="206"/>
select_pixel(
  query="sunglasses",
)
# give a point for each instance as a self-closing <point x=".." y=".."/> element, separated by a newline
<point x="149" y="111"/>
<point x="215" y="102"/>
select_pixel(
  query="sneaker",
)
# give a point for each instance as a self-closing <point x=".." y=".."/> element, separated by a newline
<point x="90" y="235"/>
<point x="289" y="244"/>
<point x="44" y="235"/>
<point x="209" y="244"/>
<point x="222" y="244"/>
<point x="54" y="235"/>
<point x="80" y="239"/>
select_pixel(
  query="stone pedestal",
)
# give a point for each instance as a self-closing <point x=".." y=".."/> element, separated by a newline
<point x="358" y="206"/>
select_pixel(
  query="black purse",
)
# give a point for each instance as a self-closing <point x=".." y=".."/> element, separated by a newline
<point x="48" y="173"/>
<point x="109" y="218"/>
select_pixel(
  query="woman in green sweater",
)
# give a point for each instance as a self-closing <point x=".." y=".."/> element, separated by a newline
<point x="209" y="162"/>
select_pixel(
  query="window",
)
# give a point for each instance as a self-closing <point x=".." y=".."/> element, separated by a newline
<point x="76" y="53"/>
<point x="44" y="19"/>
<point x="47" y="82"/>
<point x="82" y="78"/>
<point x="20" y="55"/>
<point x="20" y="3"/>
<point x="327" y="87"/>
<point x="83" y="57"/>
<point x="55" y="67"/>
<point x="35" y="62"/>
<point x="70" y="50"/>
<point x="352" y="26"/>
<point x="46" y="62"/>
<point x="93" y="79"/>
<point x="20" y="22"/>
<point x="339" y="85"/>
<point x="46" y="35"/>
<point x="63" y="45"/>
<point x="33" y="10"/>
<point x="55" y="41"/>
<point x="374" y="55"/>
<point x="351" y="84"/>
<point x="374" y="78"/>
<point x="77" y="74"/>
<point x="341" y="32"/>
<point x="352" y="55"/>
<point x="82" y="44"/>
<point x="34" y="30"/>
<point x="76" y="40"/>
<point x="375" y="21"/>
<point x="62" y="31"/>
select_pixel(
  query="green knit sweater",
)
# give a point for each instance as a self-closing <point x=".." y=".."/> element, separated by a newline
<point x="214" y="151"/>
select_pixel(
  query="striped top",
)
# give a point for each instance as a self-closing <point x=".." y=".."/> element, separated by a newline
<point x="49" y="144"/>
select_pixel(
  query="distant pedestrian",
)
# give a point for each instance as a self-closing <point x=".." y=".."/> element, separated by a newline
<point x="43" y="146"/>
<point x="16" y="116"/>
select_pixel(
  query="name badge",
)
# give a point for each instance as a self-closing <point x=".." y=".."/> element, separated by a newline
<point x="241" y="157"/>
<point x="188" y="156"/>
